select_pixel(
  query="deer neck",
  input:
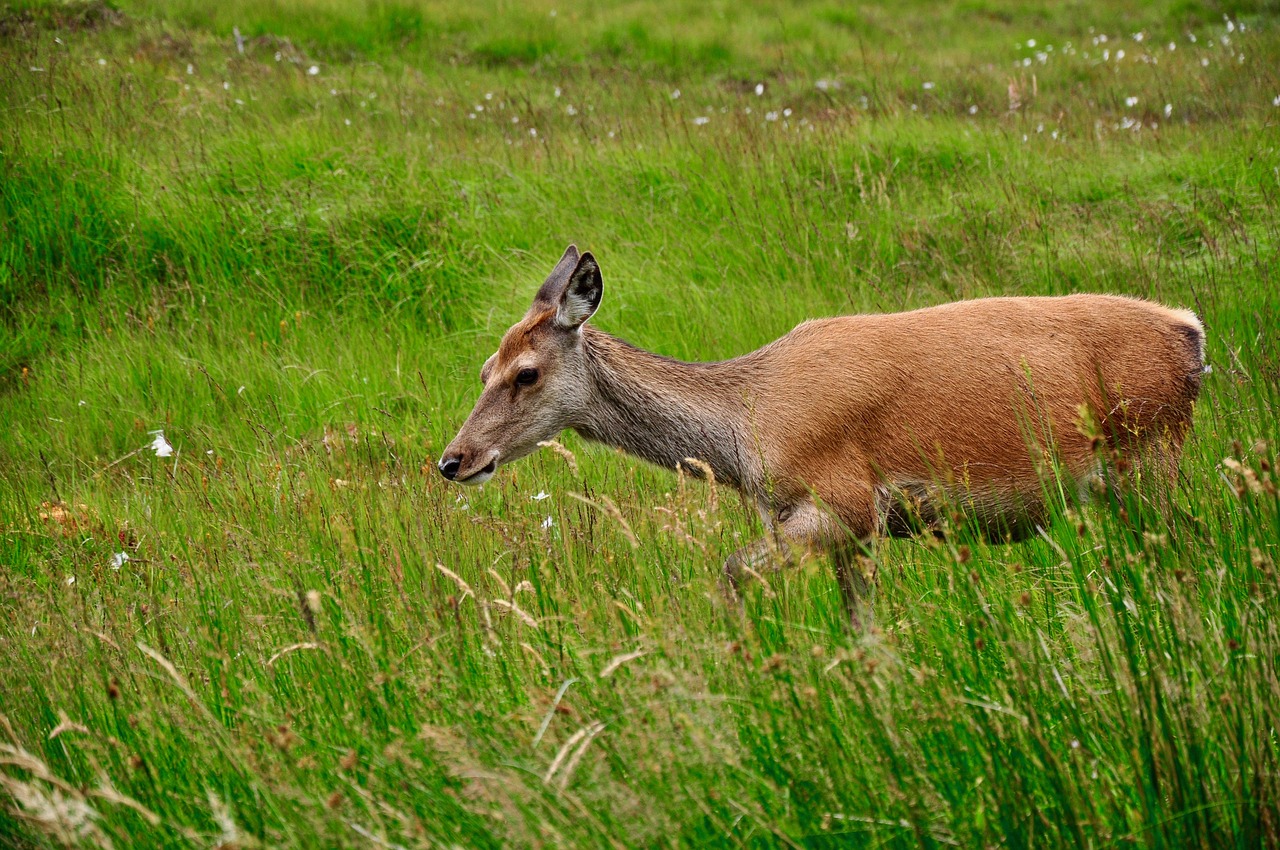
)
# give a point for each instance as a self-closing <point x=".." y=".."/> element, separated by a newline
<point x="665" y="410"/>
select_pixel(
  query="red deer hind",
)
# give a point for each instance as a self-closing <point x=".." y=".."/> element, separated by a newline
<point x="853" y="426"/>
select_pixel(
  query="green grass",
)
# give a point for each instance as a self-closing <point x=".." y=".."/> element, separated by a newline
<point x="297" y="276"/>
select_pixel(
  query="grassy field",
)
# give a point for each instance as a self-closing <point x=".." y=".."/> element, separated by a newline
<point x="286" y="235"/>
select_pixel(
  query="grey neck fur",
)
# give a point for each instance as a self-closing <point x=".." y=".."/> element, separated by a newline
<point x="665" y="410"/>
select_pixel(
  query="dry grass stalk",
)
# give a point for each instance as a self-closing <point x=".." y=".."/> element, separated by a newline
<point x="618" y="660"/>
<point x="559" y="449"/>
<point x="579" y="739"/>
<point x="457" y="579"/>
<point x="523" y="615"/>
<point x="288" y="649"/>
<point x="607" y="506"/>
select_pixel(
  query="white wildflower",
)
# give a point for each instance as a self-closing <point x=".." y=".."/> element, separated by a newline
<point x="771" y="116"/>
<point x="1168" y="110"/>
<point x="118" y="560"/>
<point x="675" y="95"/>
<point x="926" y="85"/>
<point x="314" y="70"/>
<point x="1031" y="42"/>
<point x="71" y="580"/>
<point x="540" y="495"/>
<point x="973" y="110"/>
<point x="786" y="113"/>
<point x="557" y="91"/>
<point x="161" y="446"/>
<point x="759" y="89"/>
<point x="1130" y="101"/>
<point x="548" y="522"/>
<point x="104" y="61"/>
<point x="701" y="119"/>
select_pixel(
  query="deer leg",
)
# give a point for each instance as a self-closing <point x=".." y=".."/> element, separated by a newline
<point x="800" y="528"/>
<point x="855" y="586"/>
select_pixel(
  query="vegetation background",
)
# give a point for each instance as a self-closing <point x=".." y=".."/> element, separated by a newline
<point x="287" y="234"/>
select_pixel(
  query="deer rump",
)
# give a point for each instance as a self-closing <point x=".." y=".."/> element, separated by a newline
<point x="964" y="404"/>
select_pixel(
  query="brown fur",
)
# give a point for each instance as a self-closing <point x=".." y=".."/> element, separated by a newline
<point x="836" y="425"/>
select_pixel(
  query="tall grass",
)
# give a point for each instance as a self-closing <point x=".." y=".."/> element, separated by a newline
<point x="292" y="632"/>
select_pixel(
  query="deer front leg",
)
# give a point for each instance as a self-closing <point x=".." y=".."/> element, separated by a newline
<point x="855" y="585"/>
<point x="803" y="528"/>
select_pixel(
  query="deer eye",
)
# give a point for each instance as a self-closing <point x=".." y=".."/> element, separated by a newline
<point x="525" y="377"/>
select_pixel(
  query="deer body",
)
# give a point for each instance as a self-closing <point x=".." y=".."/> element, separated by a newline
<point x="833" y="426"/>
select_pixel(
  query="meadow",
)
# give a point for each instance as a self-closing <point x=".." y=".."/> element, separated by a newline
<point x="253" y="255"/>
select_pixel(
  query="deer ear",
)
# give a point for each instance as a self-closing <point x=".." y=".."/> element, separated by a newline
<point x="549" y="293"/>
<point x="581" y="296"/>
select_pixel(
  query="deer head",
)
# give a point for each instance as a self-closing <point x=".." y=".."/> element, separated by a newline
<point x="537" y="380"/>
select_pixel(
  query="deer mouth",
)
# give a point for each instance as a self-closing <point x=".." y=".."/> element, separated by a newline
<point x="481" y="475"/>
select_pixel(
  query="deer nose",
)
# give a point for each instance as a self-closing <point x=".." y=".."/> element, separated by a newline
<point x="449" y="466"/>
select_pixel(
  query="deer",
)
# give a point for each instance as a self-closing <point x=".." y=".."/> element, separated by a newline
<point x="850" y="428"/>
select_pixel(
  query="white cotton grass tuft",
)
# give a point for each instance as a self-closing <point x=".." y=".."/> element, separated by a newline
<point x="119" y="559"/>
<point x="160" y="445"/>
